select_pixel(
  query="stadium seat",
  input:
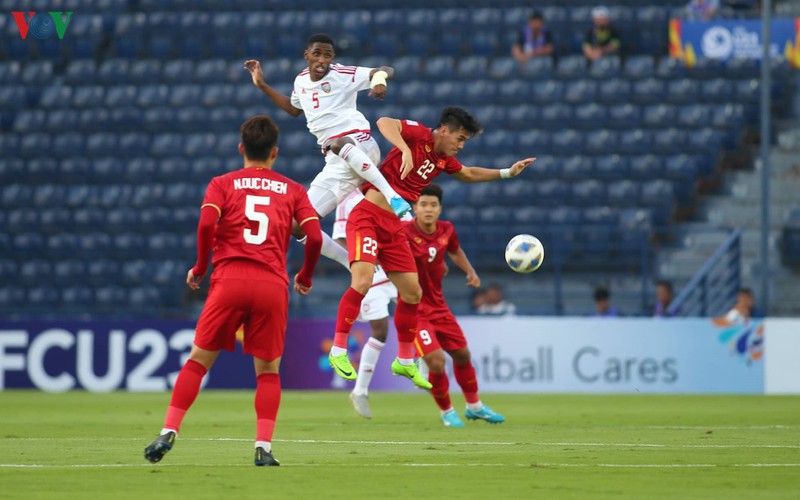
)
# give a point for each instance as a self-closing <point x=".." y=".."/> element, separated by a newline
<point x="101" y="144"/>
<point x="605" y="68"/>
<point x="439" y="68"/>
<point x="539" y="68"/>
<point x="78" y="71"/>
<point x="600" y="216"/>
<point x="718" y="90"/>
<point x="612" y="167"/>
<point x="572" y="67"/>
<point x="29" y="121"/>
<point x="43" y="296"/>
<point x="536" y="141"/>
<point x="28" y="245"/>
<point x="68" y="144"/>
<point x="742" y="68"/>
<point x="76" y="297"/>
<point x="635" y="141"/>
<point x="484" y="194"/>
<point x="659" y="115"/>
<point x="694" y="116"/>
<point x="564" y="216"/>
<point x="671" y="68"/>
<point x="518" y="193"/>
<point x="580" y="91"/>
<point x="577" y="168"/>
<point x="599" y="142"/>
<point x="683" y="90"/>
<point x="111" y="296"/>
<point x="511" y="92"/>
<point x="649" y="90"/>
<point x="555" y="115"/>
<point x="587" y="193"/>
<point x="646" y="167"/>
<point x="624" y="116"/>
<point x="669" y="140"/>
<point x="152" y="96"/>
<point x="638" y="67"/>
<point x="461" y="214"/>
<point x="656" y="193"/>
<point x="498" y="142"/>
<point x="35" y="145"/>
<point x="705" y="67"/>
<point x="567" y="142"/>
<point x="588" y="116"/>
<point x="704" y="141"/>
<point x="623" y="193"/>
<point x="747" y="91"/>
<point x="102" y="271"/>
<point x="551" y="192"/>
<point x="547" y="92"/>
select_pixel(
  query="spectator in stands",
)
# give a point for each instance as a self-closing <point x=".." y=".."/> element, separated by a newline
<point x="702" y="10"/>
<point x="477" y="300"/>
<point x="742" y="311"/>
<point x="495" y="304"/>
<point x="534" y="40"/>
<point x="664" y="296"/>
<point x="602" y="304"/>
<point x="602" y="40"/>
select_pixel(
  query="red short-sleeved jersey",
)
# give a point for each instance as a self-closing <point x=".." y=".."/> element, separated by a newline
<point x="427" y="163"/>
<point x="429" y="250"/>
<point x="256" y="207"/>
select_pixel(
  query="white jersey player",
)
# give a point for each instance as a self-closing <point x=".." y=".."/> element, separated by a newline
<point x="374" y="308"/>
<point x="327" y="93"/>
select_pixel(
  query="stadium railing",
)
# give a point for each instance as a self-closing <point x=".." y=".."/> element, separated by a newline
<point x="713" y="288"/>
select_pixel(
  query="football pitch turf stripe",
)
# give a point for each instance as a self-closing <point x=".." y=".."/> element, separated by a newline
<point x="439" y="443"/>
<point x="363" y="465"/>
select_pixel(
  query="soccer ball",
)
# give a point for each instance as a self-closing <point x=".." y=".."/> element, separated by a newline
<point x="524" y="253"/>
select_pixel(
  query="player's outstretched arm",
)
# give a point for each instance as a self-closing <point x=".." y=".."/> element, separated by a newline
<point x="257" y="74"/>
<point x="209" y="214"/>
<point x="392" y="129"/>
<point x="481" y="174"/>
<point x="313" y="230"/>
<point x="460" y="259"/>
<point x="378" y="77"/>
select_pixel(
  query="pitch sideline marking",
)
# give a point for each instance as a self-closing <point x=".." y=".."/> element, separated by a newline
<point x="361" y="465"/>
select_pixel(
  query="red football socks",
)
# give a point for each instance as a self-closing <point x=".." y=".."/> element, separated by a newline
<point x="268" y="399"/>
<point x="465" y="376"/>
<point x="440" y="390"/>
<point x="187" y="386"/>
<point x="405" y="321"/>
<point x="349" y="308"/>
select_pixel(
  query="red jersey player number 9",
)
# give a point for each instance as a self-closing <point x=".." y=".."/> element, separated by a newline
<point x="260" y="236"/>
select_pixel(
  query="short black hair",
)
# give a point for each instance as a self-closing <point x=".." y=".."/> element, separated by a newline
<point x="432" y="190"/>
<point x="536" y="15"/>
<point x="666" y="284"/>
<point x="455" y="118"/>
<point x="320" y="38"/>
<point x="259" y="137"/>
<point x="746" y="291"/>
<point x="601" y="293"/>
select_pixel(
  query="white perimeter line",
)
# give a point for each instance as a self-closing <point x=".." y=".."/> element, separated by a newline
<point x="366" y="464"/>
<point x="443" y="443"/>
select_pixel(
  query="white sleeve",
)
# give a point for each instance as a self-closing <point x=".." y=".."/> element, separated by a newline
<point x="294" y="100"/>
<point x="733" y="316"/>
<point x="343" y="212"/>
<point x="361" y="78"/>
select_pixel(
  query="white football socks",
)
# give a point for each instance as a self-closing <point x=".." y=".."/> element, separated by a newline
<point x="334" y="251"/>
<point x="338" y="351"/>
<point x="475" y="406"/>
<point x="360" y="163"/>
<point x="264" y="444"/>
<point x="165" y="430"/>
<point x="366" y="367"/>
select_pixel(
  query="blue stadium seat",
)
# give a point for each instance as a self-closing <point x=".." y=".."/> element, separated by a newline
<point x="623" y="193"/>
<point x="43" y="296"/>
<point x="624" y="116"/>
<point x="76" y="297"/>
<point x="461" y="214"/>
<point x="439" y="68"/>
<point x="21" y="219"/>
<point x="669" y="140"/>
<point x="102" y="271"/>
<point x="600" y="216"/>
<point x="587" y="193"/>
<point x="16" y="195"/>
<point x="546" y="167"/>
<point x="35" y="145"/>
<point x="748" y="91"/>
<point x="56" y="96"/>
<point x="187" y="118"/>
<point x="29" y="245"/>
<point x="49" y="195"/>
<point x="599" y="142"/>
<point x="741" y="68"/>
<point x="164" y="145"/>
<point x="512" y="92"/>
<point x="450" y="44"/>
<point x="596" y="243"/>
<point x="109" y="170"/>
<point x="11" y="169"/>
<point x="140" y="170"/>
<point x="567" y="142"/>
<point x="177" y="71"/>
<point x="155" y="218"/>
<point x="61" y="245"/>
<point x="537" y="141"/>
<point x="547" y="92"/>
<point x="123" y="220"/>
<point x="111" y="296"/>
<point x="497" y="142"/>
<point x="68" y="144"/>
<point x="501" y="68"/>
<point x="185" y="95"/>
<point x="694" y="116"/>
<point x="133" y="143"/>
<point x="614" y="91"/>
<point x="612" y="167"/>
<point x="483" y="43"/>
<point x="540" y="68"/>
<point x="160" y="47"/>
<point x="564" y="216"/>
<point x="684" y="90"/>
<point x="124" y="118"/>
<point x="407" y="68"/>
<point x="670" y="67"/>
<point x="730" y="118"/>
<point x="87" y="96"/>
<point x="495" y="216"/>
<point x="65" y="120"/>
<point x="8" y="272"/>
<point x="484" y="194"/>
<point x="529" y="219"/>
<point x="551" y="192"/>
<point x="79" y="71"/>
<point x="577" y="168"/>
<point x="571" y="67"/>
<point x="176" y="168"/>
<point x="706" y="141"/>
<point x="476" y="91"/>
<point x="34" y="271"/>
<point x="519" y="194"/>
<point x="705" y="67"/>
<point x="10" y="72"/>
<point x="659" y="115"/>
<point x="580" y="91"/>
<point x="224" y="119"/>
<point x="639" y="67"/>
<point x="557" y="115"/>
<point x="160" y="120"/>
<point x="12" y="296"/>
<point x="102" y="144"/>
<point x="161" y="246"/>
<point x="153" y="96"/>
<point x="717" y="90"/>
<point x="29" y="121"/>
<point x="130" y="245"/>
<point x="657" y="193"/>
<point x="588" y="116"/>
<point x="649" y="90"/>
<point x="486" y="19"/>
<point x="635" y="141"/>
<point x="211" y="71"/>
<point x="605" y="68"/>
<point x="490" y="117"/>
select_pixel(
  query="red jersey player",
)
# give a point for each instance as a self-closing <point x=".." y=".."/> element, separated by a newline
<point x="375" y="234"/>
<point x="247" y="215"/>
<point x="430" y="238"/>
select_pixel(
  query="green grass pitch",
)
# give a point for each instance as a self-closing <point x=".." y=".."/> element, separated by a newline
<point x="81" y="445"/>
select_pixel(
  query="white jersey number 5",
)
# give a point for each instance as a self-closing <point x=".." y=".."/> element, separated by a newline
<point x="250" y="211"/>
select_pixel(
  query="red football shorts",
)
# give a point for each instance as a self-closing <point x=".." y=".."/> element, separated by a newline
<point x="441" y="332"/>
<point x="375" y="235"/>
<point x="260" y="306"/>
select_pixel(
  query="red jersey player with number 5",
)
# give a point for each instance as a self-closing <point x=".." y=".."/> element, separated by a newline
<point x="430" y="238"/>
<point x="375" y="234"/>
<point x="247" y="215"/>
